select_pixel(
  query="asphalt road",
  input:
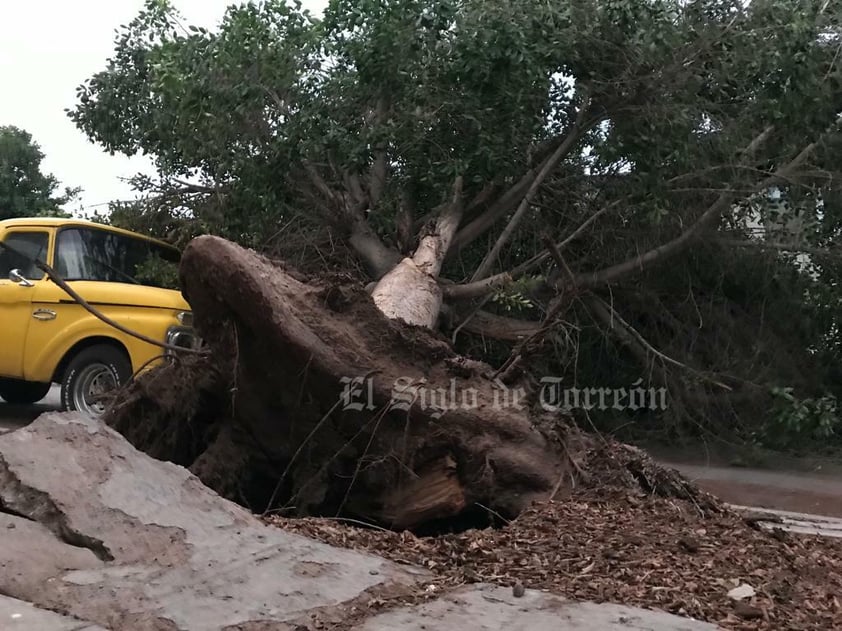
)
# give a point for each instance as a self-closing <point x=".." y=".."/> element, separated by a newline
<point x="14" y="416"/>
<point x="816" y="493"/>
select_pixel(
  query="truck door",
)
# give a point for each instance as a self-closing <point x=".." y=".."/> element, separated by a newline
<point x="16" y="309"/>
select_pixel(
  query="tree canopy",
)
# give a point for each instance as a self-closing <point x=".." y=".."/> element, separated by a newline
<point x="24" y="189"/>
<point x="575" y="147"/>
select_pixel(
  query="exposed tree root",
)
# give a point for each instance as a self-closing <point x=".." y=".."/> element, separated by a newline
<point x="276" y="434"/>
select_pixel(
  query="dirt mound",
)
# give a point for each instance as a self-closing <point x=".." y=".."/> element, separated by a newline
<point x="611" y="545"/>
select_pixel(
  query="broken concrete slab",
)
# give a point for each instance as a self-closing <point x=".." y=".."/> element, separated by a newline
<point x="153" y="548"/>
<point x="16" y="614"/>
<point x="485" y="607"/>
<point x="799" y="523"/>
<point x="30" y="555"/>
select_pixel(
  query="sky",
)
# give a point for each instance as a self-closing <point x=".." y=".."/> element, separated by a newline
<point x="47" y="49"/>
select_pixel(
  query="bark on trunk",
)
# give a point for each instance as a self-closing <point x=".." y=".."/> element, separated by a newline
<point x="411" y="292"/>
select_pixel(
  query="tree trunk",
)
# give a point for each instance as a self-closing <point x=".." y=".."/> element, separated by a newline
<point x="317" y="403"/>
<point x="411" y="292"/>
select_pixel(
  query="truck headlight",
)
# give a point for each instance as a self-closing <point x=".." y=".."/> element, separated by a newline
<point x="182" y="337"/>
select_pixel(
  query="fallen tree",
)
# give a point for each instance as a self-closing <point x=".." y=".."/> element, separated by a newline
<point x="322" y="405"/>
<point x="483" y="168"/>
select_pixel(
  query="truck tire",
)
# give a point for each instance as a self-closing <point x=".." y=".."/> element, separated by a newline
<point x="94" y="371"/>
<point x="19" y="392"/>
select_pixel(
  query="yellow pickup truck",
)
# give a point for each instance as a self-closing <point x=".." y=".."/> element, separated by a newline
<point x="46" y="337"/>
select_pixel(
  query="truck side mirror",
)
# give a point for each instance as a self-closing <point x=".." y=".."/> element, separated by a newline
<point x="16" y="277"/>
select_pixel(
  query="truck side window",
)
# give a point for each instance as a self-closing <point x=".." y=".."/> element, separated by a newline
<point x="31" y="245"/>
<point x="98" y="255"/>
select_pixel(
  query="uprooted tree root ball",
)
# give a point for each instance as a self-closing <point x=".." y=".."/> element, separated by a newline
<point x="294" y="411"/>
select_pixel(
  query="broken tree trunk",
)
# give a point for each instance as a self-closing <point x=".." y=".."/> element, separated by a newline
<point x="330" y="407"/>
<point x="410" y="291"/>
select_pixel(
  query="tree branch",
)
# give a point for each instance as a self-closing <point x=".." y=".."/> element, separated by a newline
<point x="561" y="151"/>
<point x="578" y="231"/>
<point x="622" y="332"/>
<point x="780" y="247"/>
<point x="189" y="187"/>
<point x="477" y="203"/>
<point x="708" y="217"/>
<point x="478" y="289"/>
<point x="557" y="257"/>
<point x="320" y="184"/>
<point x="476" y="228"/>
<point x="434" y="247"/>
<point x="377" y="178"/>
<point x="498" y="327"/>
<point x="377" y="258"/>
<point x="353" y="185"/>
<point x="639" y="346"/>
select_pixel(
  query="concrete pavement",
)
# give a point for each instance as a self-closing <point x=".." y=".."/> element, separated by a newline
<point x="800" y="523"/>
<point x="488" y="608"/>
<point x="17" y="614"/>
<point x="475" y="608"/>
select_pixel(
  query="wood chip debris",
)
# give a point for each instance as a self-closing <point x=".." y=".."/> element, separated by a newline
<point x="622" y="547"/>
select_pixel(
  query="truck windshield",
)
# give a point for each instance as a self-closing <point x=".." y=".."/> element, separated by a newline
<point x="100" y="255"/>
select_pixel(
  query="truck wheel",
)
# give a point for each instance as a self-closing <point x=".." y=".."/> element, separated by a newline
<point x="92" y="373"/>
<point x="22" y="392"/>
